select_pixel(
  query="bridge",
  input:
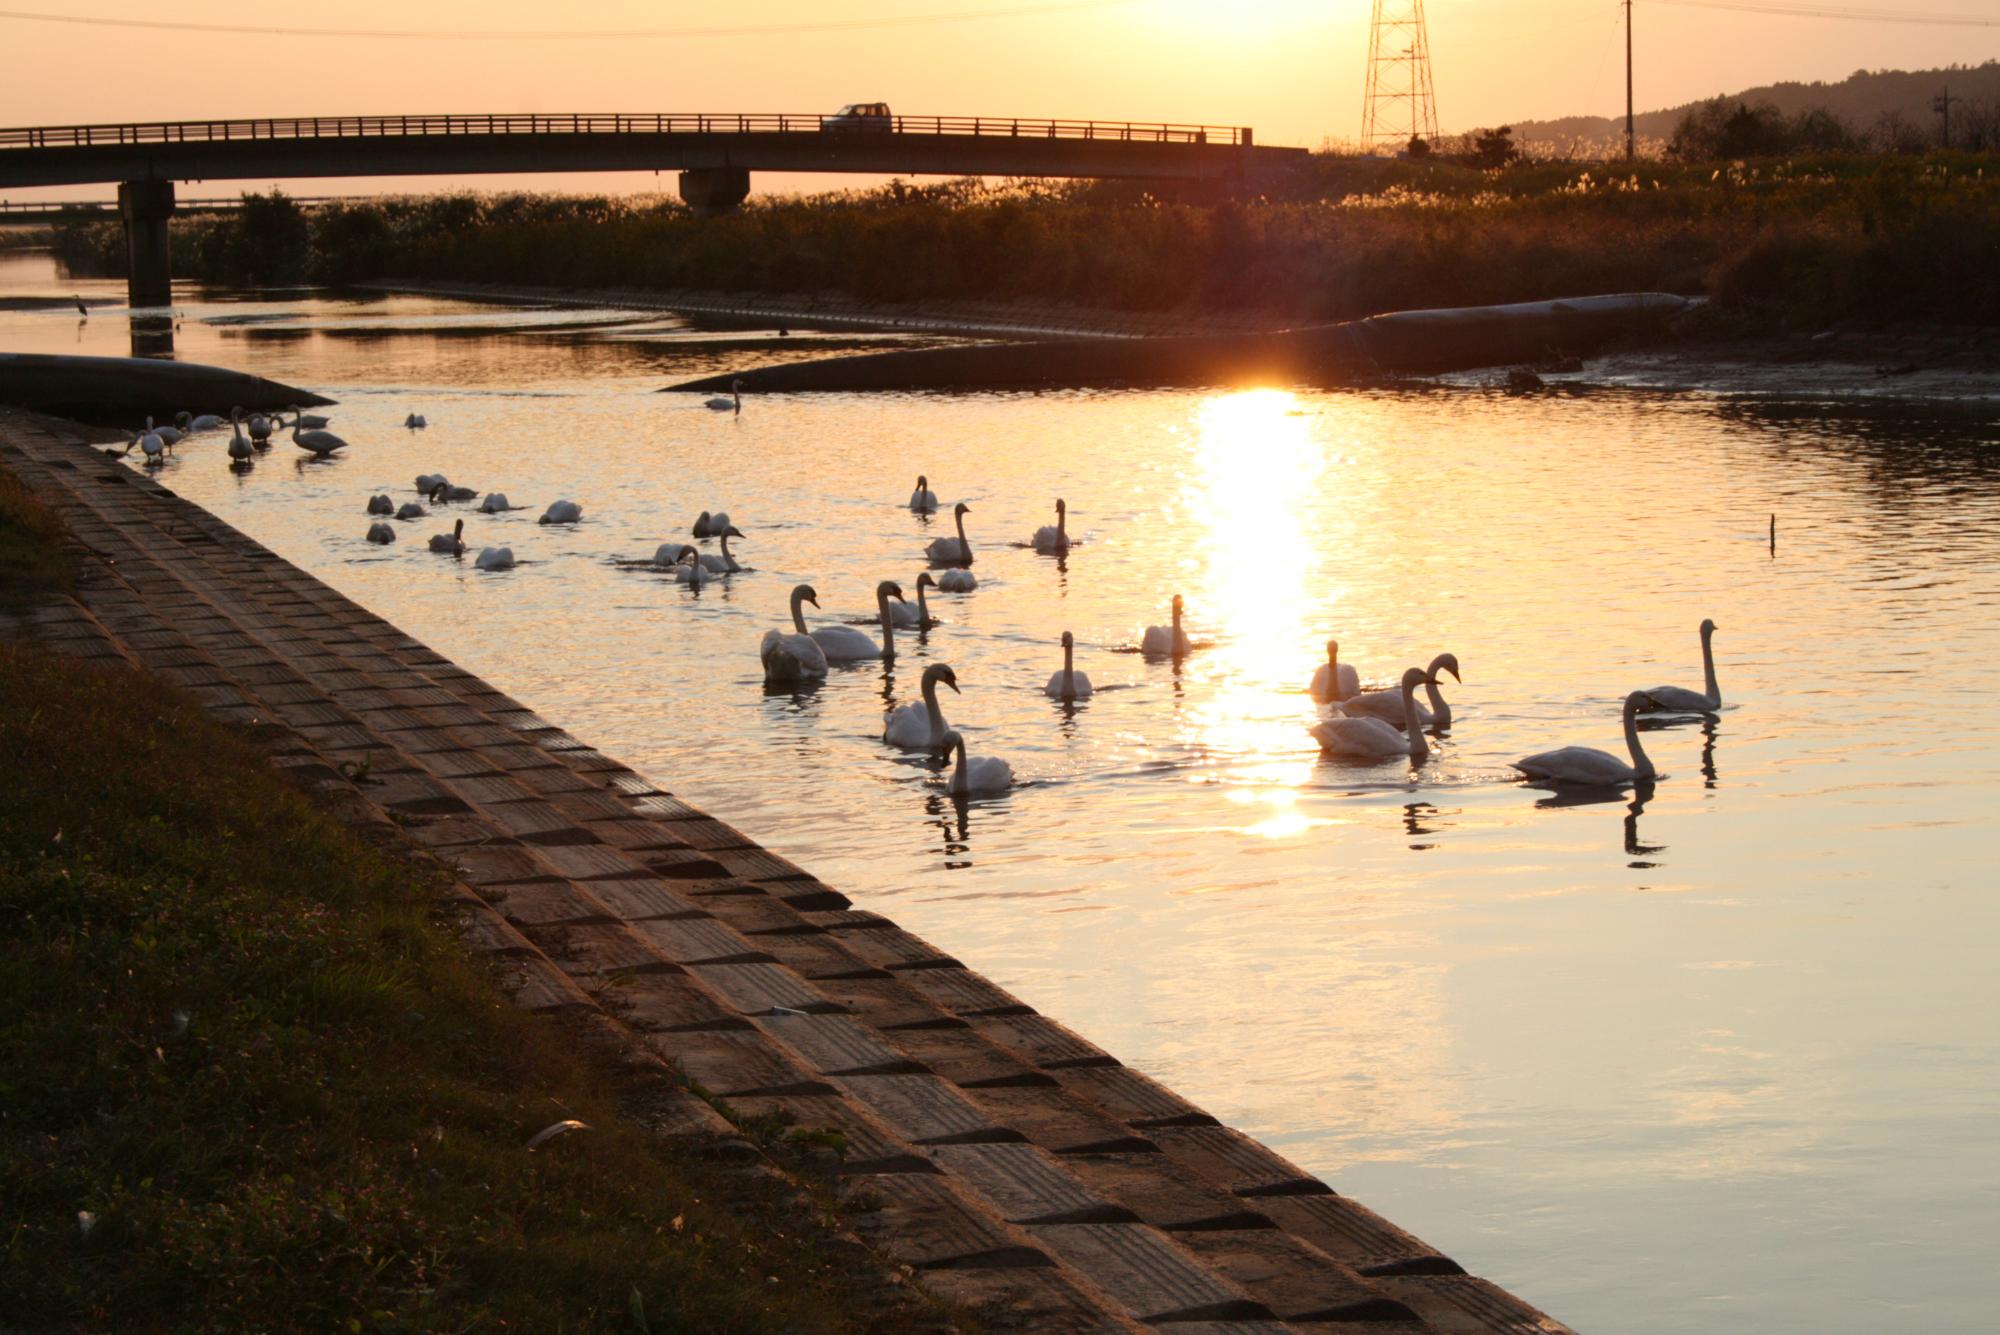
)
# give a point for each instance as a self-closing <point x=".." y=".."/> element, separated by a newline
<point x="714" y="155"/>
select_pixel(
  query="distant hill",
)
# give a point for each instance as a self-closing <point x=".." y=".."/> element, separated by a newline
<point x="1860" y="99"/>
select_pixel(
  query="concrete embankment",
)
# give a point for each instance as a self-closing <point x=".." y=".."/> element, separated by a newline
<point x="1406" y="341"/>
<point x="1023" y="1170"/>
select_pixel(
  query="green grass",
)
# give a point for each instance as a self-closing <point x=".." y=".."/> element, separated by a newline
<point x="246" y="1044"/>
<point x="35" y="562"/>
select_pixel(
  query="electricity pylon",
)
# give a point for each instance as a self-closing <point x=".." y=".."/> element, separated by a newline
<point x="1399" y="105"/>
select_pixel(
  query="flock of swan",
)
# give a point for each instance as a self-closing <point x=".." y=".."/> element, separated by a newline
<point x="1354" y="725"/>
<point x="1374" y="726"/>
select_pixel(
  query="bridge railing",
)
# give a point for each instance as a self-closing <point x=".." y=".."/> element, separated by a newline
<point x="353" y="127"/>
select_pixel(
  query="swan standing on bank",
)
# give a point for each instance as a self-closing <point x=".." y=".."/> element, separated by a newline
<point x="980" y="774"/>
<point x="1588" y="765"/>
<point x="952" y="551"/>
<point x="1389" y="705"/>
<point x="1068" y="684"/>
<point x="495" y="558"/>
<point x="923" y="500"/>
<point x="1372" y="740"/>
<point x="561" y="512"/>
<point x="1335" y="681"/>
<point x="918" y="617"/>
<point x="321" y="443"/>
<point x="790" y="660"/>
<point x="1166" y="641"/>
<point x="1679" y="699"/>
<point x="1054" y="538"/>
<point x="921" y="727"/>
<point x="734" y="403"/>
<point x="452" y="543"/>
<point x="845" y="644"/>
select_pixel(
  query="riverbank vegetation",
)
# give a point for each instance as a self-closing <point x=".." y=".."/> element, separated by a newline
<point x="250" y="1080"/>
<point x="1796" y="241"/>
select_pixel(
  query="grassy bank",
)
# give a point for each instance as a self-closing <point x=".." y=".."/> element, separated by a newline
<point x="33" y="560"/>
<point x="249" y="1079"/>
<point x="1779" y="243"/>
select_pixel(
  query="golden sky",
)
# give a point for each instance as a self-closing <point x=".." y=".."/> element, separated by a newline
<point x="1290" y="68"/>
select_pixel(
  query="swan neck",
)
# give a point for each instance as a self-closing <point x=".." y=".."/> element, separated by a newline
<point x="798" y="612"/>
<point x="888" y="625"/>
<point x="1708" y="670"/>
<point x="959" y="782"/>
<point x="964" y="547"/>
<point x="1069" y="671"/>
<point x="932" y="713"/>
<point x="1642" y="764"/>
<point x="1420" y="748"/>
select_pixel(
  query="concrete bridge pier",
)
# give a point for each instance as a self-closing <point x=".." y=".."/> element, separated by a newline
<point x="149" y="274"/>
<point x="712" y="190"/>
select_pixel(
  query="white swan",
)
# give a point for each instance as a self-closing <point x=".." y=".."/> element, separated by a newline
<point x="918" y="617"/>
<point x="451" y="491"/>
<point x="734" y="403"/>
<point x="190" y="424"/>
<point x="381" y="505"/>
<point x="1388" y="705"/>
<point x="794" y="658"/>
<point x="561" y="512"/>
<point x="959" y="580"/>
<point x="724" y="564"/>
<point x="452" y="543"/>
<point x="952" y="551"/>
<point x="310" y="421"/>
<point x="416" y="422"/>
<point x="495" y="558"/>
<point x="845" y="644"/>
<point x="669" y="554"/>
<point x="381" y="533"/>
<point x="410" y="510"/>
<point x="430" y="482"/>
<point x="1588" y="765"/>
<point x="494" y="503"/>
<point x="1068" y="684"/>
<point x="149" y="443"/>
<point x="1335" y="681"/>
<point x="170" y="435"/>
<point x="260" y="430"/>
<point x="1166" y="641"/>
<point x="923" y="500"/>
<point x="321" y="443"/>
<point x="239" y="444"/>
<point x="1372" y="740"/>
<point x="1054" y="538"/>
<point x="708" y="525"/>
<point x="921" y="727"/>
<point x="690" y="571"/>
<point x="1679" y="699"/>
<point x="980" y="774"/>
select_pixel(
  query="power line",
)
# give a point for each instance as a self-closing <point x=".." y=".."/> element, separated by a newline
<point x="574" y="34"/>
<point x="1809" y="11"/>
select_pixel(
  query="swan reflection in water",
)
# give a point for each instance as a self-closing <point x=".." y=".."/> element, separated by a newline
<point x="1640" y="794"/>
<point x="952" y="816"/>
<point x="1415" y="818"/>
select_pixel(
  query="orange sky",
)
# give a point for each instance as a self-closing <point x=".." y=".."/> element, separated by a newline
<point x="1290" y="68"/>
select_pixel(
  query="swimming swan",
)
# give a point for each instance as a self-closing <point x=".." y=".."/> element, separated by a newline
<point x="1588" y="765"/>
<point x="410" y="510"/>
<point x="708" y="525"/>
<point x="1068" y="684"/>
<point x="1335" y="681"/>
<point x="1165" y="641"/>
<point x="495" y="502"/>
<point x="1388" y="705"/>
<point x="430" y="482"/>
<point x="1372" y="740"/>
<point x="381" y="533"/>
<point x="960" y="580"/>
<point x="1679" y="699"/>
<point x="952" y="551"/>
<point x="918" y="617"/>
<point x="452" y="543"/>
<point x="1054" y="538"/>
<point x="734" y="403"/>
<point x="980" y="774"/>
<point x="923" y="500"/>
<point x="724" y="564"/>
<point x="795" y="658"/>
<point x="845" y="644"/>
<point x="416" y="422"/>
<point x="190" y="424"/>
<point x="381" y="505"/>
<point x="321" y="443"/>
<point x="921" y="727"/>
<point x="561" y="512"/>
<point x="495" y="558"/>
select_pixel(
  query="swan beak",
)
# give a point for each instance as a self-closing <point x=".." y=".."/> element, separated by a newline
<point x="813" y="601"/>
<point x="1454" y="675"/>
<point x="954" y="688"/>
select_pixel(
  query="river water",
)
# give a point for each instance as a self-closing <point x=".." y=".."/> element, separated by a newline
<point x="1720" y="1057"/>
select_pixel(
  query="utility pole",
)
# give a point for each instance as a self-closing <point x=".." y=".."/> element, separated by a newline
<point x="1941" y="104"/>
<point x="1629" y="147"/>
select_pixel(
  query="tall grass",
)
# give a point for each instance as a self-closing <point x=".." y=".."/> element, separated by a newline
<point x="1780" y="241"/>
